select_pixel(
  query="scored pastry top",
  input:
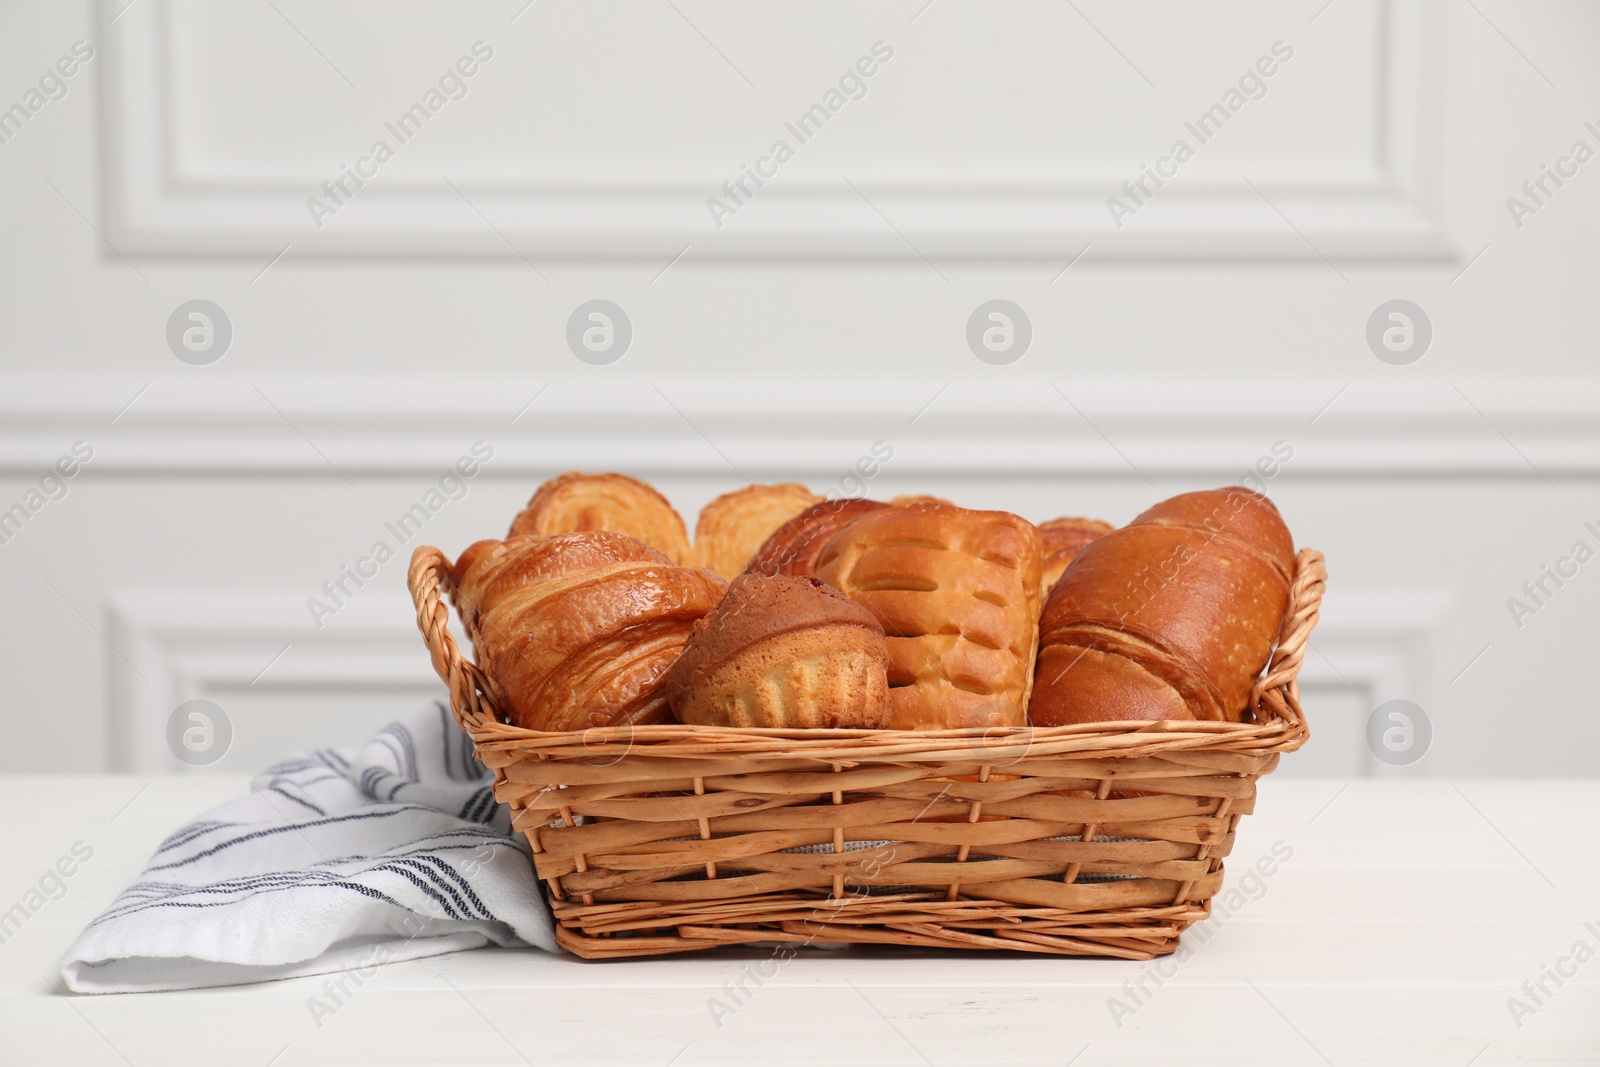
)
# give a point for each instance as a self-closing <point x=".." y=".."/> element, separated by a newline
<point x="957" y="592"/>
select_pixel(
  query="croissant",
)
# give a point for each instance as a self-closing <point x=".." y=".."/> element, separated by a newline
<point x="957" y="592"/>
<point x="487" y="570"/>
<point x="1171" y="617"/>
<point x="1062" y="540"/>
<point x="735" y="525"/>
<point x="575" y="502"/>
<point x="578" y="631"/>
<point x="793" y="547"/>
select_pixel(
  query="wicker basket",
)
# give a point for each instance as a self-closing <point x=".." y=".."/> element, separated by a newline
<point x="1101" y="839"/>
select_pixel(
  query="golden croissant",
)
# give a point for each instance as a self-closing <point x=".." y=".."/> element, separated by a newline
<point x="578" y="630"/>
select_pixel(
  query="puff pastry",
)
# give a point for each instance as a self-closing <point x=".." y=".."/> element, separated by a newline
<point x="575" y="502"/>
<point x="487" y="570"/>
<point x="1170" y="617"/>
<point x="734" y="526"/>
<point x="957" y="592"/>
<point x="579" y="630"/>
<point x="1062" y="540"/>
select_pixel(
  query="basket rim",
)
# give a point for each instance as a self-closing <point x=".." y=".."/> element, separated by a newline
<point x="995" y="745"/>
<point x="1279" y="725"/>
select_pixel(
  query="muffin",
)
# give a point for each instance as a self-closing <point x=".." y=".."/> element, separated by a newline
<point x="783" y="651"/>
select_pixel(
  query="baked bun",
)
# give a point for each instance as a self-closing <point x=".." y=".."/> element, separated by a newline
<point x="783" y="651"/>
<point x="1171" y="617"/>
<point x="1062" y="540"/>
<point x="793" y="547"/>
<point x="578" y="631"/>
<point x="575" y="502"/>
<point x="734" y="526"/>
<point x="957" y="592"/>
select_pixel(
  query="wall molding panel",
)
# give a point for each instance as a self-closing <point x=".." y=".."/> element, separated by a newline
<point x="185" y="644"/>
<point x="1025" y="428"/>
<point x="1382" y="208"/>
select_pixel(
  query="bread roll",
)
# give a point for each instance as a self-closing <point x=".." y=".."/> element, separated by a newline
<point x="794" y="546"/>
<point x="957" y="592"/>
<point x="1062" y="540"/>
<point x="576" y="502"/>
<point x="734" y="526"/>
<point x="1171" y="617"/>
<point x="783" y="651"/>
<point x="578" y="631"/>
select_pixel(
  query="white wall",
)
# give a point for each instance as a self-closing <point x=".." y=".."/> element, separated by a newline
<point x="1226" y="314"/>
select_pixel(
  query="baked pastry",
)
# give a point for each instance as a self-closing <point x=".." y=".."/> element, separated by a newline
<point x="783" y="651"/>
<point x="575" y="502"/>
<point x="793" y="547"/>
<point x="1062" y="540"/>
<point x="957" y="592"/>
<point x="907" y="499"/>
<point x="734" y="526"/>
<point x="578" y="631"/>
<point x="489" y="569"/>
<point x="1171" y="617"/>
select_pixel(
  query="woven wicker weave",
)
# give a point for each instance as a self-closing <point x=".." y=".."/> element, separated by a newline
<point x="1101" y="839"/>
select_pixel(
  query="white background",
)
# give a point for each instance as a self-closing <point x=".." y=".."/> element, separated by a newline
<point x="828" y="313"/>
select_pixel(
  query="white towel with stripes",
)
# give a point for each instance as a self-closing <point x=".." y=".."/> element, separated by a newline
<point x="338" y="859"/>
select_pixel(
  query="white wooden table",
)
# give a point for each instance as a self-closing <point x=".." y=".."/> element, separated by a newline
<point x="1404" y="919"/>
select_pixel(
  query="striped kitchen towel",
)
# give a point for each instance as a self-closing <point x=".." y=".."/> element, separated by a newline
<point x="338" y="858"/>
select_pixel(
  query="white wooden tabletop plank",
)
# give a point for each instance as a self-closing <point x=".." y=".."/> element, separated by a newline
<point x="1405" y="916"/>
<point x="1258" y="1021"/>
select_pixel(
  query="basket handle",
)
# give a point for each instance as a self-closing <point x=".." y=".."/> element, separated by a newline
<point x="469" y="689"/>
<point x="1277" y="692"/>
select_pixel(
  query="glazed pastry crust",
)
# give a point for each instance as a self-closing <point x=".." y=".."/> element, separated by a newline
<point x="1171" y="617"/>
<point x="734" y="526"/>
<point x="1062" y="540"/>
<point x="579" y="630"/>
<point x="793" y="547"/>
<point x="488" y="570"/>
<point x="575" y="502"/>
<point x="957" y="592"/>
